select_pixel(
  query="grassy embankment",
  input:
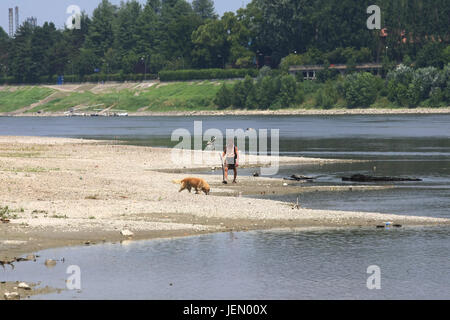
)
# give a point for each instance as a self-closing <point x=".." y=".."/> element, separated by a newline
<point x="137" y="97"/>
<point x="182" y="96"/>
<point x="17" y="98"/>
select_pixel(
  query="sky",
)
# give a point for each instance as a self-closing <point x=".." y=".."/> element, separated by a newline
<point x="55" y="10"/>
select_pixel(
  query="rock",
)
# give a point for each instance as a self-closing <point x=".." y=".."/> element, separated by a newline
<point x="31" y="257"/>
<point x="12" y="296"/>
<point x="24" y="286"/>
<point x="126" y="233"/>
<point x="50" y="263"/>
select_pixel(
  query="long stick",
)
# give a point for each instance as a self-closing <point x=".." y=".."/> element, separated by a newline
<point x="223" y="168"/>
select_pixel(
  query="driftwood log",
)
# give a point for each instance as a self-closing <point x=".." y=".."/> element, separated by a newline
<point x="295" y="177"/>
<point x="365" y="178"/>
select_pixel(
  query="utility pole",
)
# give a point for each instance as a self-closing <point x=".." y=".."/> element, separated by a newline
<point x="144" y="58"/>
<point x="182" y="60"/>
<point x="73" y="76"/>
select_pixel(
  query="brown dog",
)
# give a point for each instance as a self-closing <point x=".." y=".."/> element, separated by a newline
<point x="194" y="183"/>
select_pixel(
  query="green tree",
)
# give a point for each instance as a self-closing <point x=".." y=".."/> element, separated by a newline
<point x="327" y="96"/>
<point x="446" y="55"/>
<point x="4" y="44"/>
<point x="269" y="89"/>
<point x="100" y="36"/>
<point x="147" y="29"/>
<point x="126" y="26"/>
<point x="86" y="62"/>
<point x="223" y="97"/>
<point x="288" y="91"/>
<point x="223" y="41"/>
<point x="33" y="53"/>
<point x="253" y="96"/>
<point x="204" y="9"/>
<point x="446" y="86"/>
<point x="177" y="23"/>
<point x="70" y="45"/>
<point x="3" y="36"/>
<point x="211" y="49"/>
<point x="431" y="55"/>
<point x="360" y="90"/>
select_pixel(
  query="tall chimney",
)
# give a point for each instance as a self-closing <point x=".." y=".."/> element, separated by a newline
<point x="17" y="19"/>
<point x="11" y="23"/>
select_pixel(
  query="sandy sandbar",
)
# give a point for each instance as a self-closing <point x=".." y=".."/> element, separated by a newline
<point x="81" y="192"/>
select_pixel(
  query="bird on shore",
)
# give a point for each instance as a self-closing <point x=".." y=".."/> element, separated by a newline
<point x="211" y="143"/>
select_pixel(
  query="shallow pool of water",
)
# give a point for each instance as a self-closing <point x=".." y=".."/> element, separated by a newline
<point x="315" y="264"/>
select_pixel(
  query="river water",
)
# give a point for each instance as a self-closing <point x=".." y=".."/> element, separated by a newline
<point x="327" y="264"/>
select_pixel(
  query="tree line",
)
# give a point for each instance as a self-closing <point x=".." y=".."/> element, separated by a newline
<point x="174" y="34"/>
<point x="404" y="87"/>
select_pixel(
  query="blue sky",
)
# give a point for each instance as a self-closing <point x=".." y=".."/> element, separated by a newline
<point x="55" y="10"/>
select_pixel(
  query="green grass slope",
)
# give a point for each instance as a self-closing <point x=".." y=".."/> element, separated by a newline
<point x="180" y="96"/>
<point x="11" y="100"/>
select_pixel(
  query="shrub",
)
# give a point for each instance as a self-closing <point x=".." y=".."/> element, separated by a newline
<point x="436" y="97"/>
<point x="327" y="74"/>
<point x="206" y="74"/>
<point x="265" y="71"/>
<point x="267" y="92"/>
<point x="327" y="96"/>
<point x="291" y="60"/>
<point x="409" y="88"/>
<point x="360" y="89"/>
<point x="253" y="98"/>
<point x="431" y="55"/>
<point x="223" y="97"/>
<point x="288" y="91"/>
<point x="446" y="55"/>
<point x="269" y="88"/>
<point x="426" y="79"/>
<point x="402" y="74"/>
<point x="239" y="95"/>
<point x="446" y="79"/>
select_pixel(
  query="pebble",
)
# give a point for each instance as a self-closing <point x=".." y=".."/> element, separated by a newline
<point x="126" y="233"/>
<point x="50" y="263"/>
<point x="12" y="296"/>
<point x="24" y="286"/>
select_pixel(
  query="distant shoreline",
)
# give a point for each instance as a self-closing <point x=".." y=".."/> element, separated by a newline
<point x="158" y="99"/>
<point x="282" y="112"/>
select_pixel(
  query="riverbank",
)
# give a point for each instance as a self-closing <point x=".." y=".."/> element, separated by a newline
<point x="153" y="98"/>
<point x="65" y="192"/>
<point x="70" y="192"/>
<point x="284" y="112"/>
